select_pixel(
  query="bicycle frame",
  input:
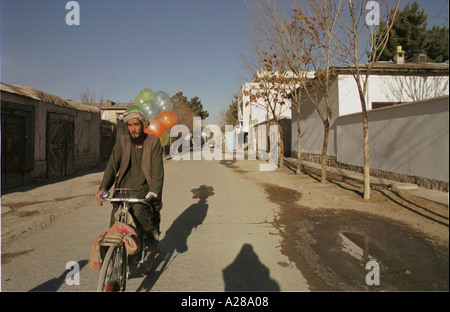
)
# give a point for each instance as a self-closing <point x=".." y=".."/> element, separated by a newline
<point x="115" y="265"/>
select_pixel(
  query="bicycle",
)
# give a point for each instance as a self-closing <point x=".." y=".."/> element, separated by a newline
<point x="114" y="269"/>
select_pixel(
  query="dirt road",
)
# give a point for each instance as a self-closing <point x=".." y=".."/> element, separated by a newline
<point x="273" y="231"/>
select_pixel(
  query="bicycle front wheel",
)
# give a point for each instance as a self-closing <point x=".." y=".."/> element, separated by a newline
<point x="113" y="274"/>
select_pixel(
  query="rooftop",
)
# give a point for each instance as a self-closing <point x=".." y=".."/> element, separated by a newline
<point x="411" y="68"/>
<point x="46" y="97"/>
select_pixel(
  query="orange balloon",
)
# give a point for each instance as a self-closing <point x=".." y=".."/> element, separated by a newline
<point x="154" y="128"/>
<point x="168" y="119"/>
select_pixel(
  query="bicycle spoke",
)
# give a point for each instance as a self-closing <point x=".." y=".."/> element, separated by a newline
<point x="115" y="270"/>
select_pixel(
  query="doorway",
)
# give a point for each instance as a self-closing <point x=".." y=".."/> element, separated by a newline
<point x="60" y="145"/>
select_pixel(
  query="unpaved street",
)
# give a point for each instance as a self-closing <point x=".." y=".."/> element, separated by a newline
<point x="225" y="242"/>
<point x="269" y="231"/>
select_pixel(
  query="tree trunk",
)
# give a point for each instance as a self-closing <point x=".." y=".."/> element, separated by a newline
<point x="281" y="144"/>
<point x="298" y="170"/>
<point x="366" y="157"/>
<point x="326" y="128"/>
<point x="366" y="149"/>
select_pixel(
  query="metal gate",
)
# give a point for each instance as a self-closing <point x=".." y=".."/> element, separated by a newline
<point x="60" y="145"/>
<point x="13" y="150"/>
<point x="17" y="136"/>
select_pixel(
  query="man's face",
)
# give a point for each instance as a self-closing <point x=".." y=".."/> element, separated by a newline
<point x="135" y="128"/>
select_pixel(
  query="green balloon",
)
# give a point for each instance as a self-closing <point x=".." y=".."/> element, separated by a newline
<point x="138" y="100"/>
<point x="133" y="107"/>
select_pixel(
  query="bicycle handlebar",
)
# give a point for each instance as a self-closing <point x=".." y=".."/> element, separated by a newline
<point x="128" y="200"/>
<point x="105" y="194"/>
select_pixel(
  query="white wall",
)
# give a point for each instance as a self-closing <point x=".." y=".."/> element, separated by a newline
<point x="410" y="139"/>
<point x="385" y="88"/>
<point x="348" y="96"/>
<point x="256" y="112"/>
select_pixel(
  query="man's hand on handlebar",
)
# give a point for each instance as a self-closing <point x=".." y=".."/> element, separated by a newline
<point x="154" y="199"/>
<point x="101" y="194"/>
<point x="151" y="198"/>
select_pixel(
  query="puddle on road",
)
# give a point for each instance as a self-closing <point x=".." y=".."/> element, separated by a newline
<point x="332" y="248"/>
<point x="357" y="246"/>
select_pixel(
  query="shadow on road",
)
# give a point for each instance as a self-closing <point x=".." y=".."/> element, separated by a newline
<point x="49" y="181"/>
<point x="247" y="273"/>
<point x="428" y="209"/>
<point x="55" y="283"/>
<point x="175" y="239"/>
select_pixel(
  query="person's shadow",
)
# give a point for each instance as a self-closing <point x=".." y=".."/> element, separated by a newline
<point x="247" y="273"/>
<point x="175" y="239"/>
<point x="55" y="283"/>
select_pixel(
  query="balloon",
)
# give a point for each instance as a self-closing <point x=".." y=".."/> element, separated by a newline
<point x="138" y="100"/>
<point x="163" y="101"/>
<point x="130" y="108"/>
<point x="150" y="109"/>
<point x="168" y="119"/>
<point x="164" y="138"/>
<point x="144" y="95"/>
<point x="147" y="94"/>
<point x="154" y="128"/>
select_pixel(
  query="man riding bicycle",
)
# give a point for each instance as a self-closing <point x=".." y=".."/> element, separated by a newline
<point x="136" y="163"/>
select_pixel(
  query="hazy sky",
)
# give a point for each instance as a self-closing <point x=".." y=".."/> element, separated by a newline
<point x="123" y="46"/>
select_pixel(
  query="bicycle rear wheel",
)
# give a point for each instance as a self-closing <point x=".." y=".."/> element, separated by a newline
<point x="113" y="274"/>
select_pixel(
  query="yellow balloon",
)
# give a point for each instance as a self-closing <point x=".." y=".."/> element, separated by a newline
<point x="164" y="138"/>
<point x="144" y="95"/>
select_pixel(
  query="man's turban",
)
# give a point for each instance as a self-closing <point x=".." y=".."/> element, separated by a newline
<point x="136" y="114"/>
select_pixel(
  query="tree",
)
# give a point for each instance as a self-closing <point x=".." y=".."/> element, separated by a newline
<point x="316" y="20"/>
<point x="437" y="44"/>
<point x="89" y="98"/>
<point x="271" y="95"/>
<point x="302" y="43"/>
<point x="181" y="108"/>
<point x="280" y="52"/>
<point x="231" y="115"/>
<point x="186" y="110"/>
<point x="344" y="31"/>
<point x="410" y="32"/>
<point x="196" y="106"/>
<point x="359" y="45"/>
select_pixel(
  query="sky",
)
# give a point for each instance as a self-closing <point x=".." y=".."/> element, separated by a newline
<point x="123" y="46"/>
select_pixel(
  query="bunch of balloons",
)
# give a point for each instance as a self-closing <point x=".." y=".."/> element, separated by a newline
<point x="158" y="109"/>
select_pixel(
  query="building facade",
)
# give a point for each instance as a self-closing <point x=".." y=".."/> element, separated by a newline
<point x="44" y="136"/>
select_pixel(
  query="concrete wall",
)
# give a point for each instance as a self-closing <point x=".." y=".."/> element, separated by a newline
<point x="410" y="139"/>
<point x="87" y="140"/>
<point x="312" y="129"/>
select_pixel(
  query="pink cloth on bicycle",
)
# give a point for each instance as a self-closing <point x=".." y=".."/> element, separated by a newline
<point x="130" y="239"/>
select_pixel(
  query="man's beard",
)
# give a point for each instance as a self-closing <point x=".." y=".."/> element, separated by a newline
<point x="138" y="140"/>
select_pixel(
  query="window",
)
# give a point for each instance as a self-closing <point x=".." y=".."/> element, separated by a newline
<point x="376" y="105"/>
